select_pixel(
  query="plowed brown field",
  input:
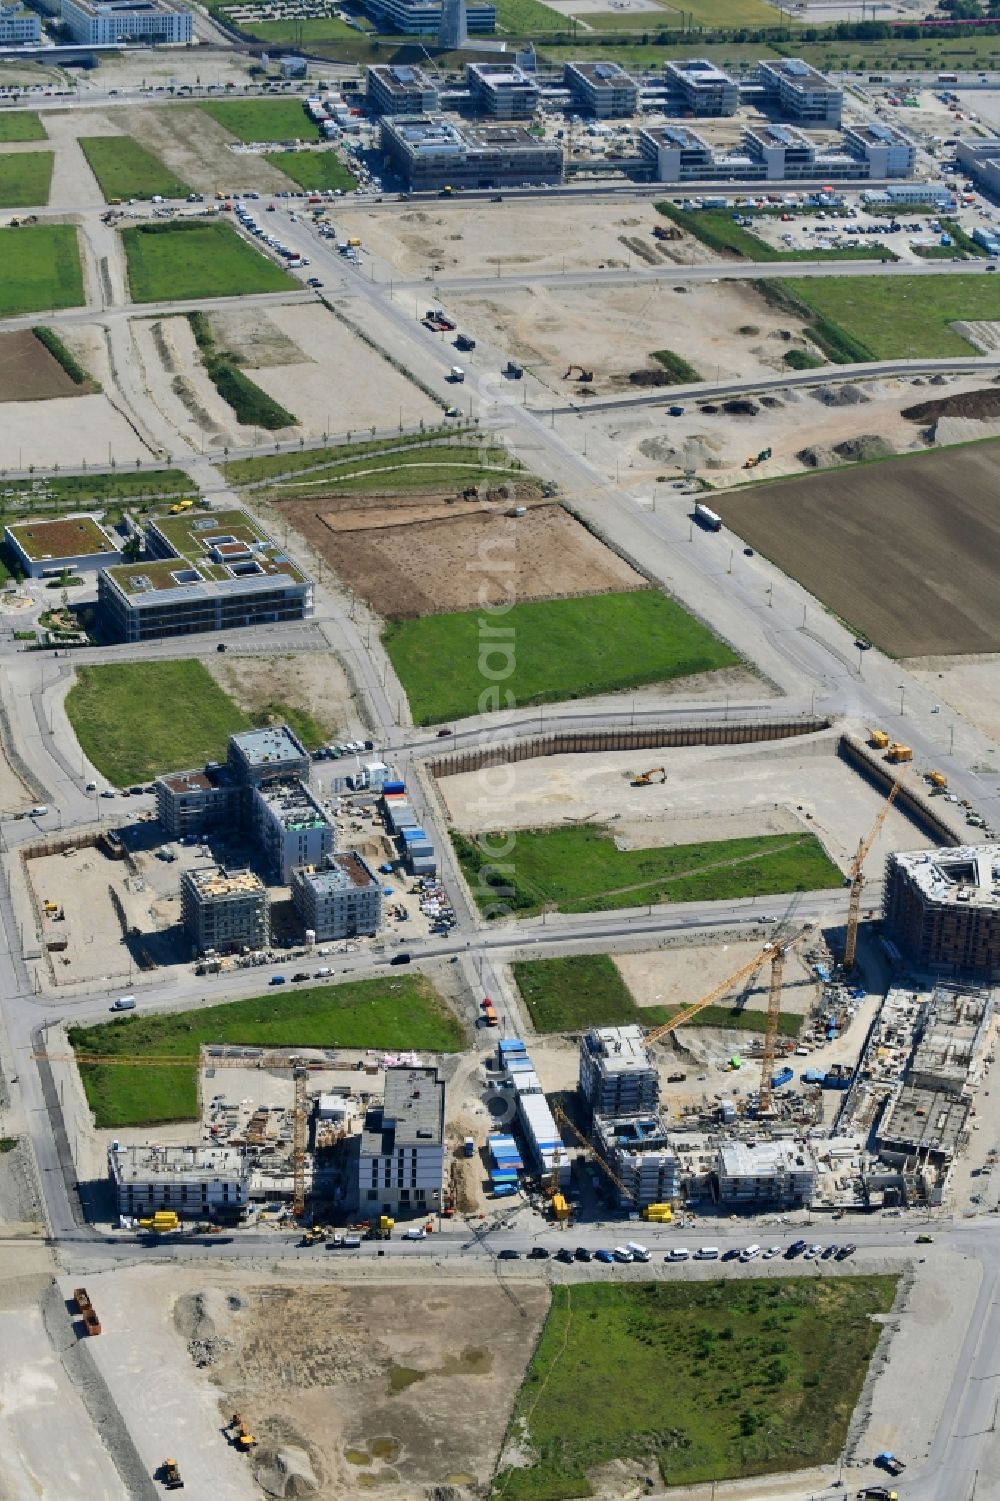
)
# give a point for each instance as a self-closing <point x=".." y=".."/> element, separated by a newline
<point x="907" y="550"/>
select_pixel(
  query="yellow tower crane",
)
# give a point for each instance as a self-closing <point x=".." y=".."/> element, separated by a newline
<point x="688" y="1013"/>
<point x="858" y="880"/>
<point x="779" y="949"/>
<point x="591" y="1150"/>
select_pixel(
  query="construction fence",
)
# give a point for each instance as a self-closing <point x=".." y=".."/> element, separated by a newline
<point x="638" y="737"/>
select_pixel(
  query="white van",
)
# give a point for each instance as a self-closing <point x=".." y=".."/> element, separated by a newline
<point x="39" y="810"/>
<point x="620" y="1254"/>
<point x="750" y="1254"/>
<point x="679" y="1253"/>
<point x="639" y="1253"/>
<point x="124" y="1003"/>
<point x="419" y="1233"/>
<point x="707" y="1253"/>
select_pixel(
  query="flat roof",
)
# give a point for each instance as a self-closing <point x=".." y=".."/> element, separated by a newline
<point x="676" y="136"/>
<point x="293" y="805"/>
<point x="63" y="537"/>
<point x="399" y="78"/>
<point x="214" y="883"/>
<point x="742" y="1159"/>
<point x="698" y="71"/>
<point x="340" y="873"/>
<point x="962" y="876"/>
<point x="145" y="1163"/>
<point x="267" y="746"/>
<point x="500" y="74"/>
<point x="602" y="72"/>
<point x="411" y="1113"/>
<point x="800" y="74"/>
<point x="619" y="1049"/>
<point x="206" y="780"/>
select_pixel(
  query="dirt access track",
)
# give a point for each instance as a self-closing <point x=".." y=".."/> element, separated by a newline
<point x="905" y="550"/>
<point x="419" y="554"/>
<point x="613" y="331"/>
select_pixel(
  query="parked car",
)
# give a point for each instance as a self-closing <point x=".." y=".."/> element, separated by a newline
<point x="277" y="980"/>
<point x="538" y="1253"/>
<point x="795" y="1249"/>
<point x="828" y="1252"/>
<point x="564" y="1254"/>
<point x="846" y="1251"/>
<point x="508" y="1254"/>
<point x="731" y="1254"/>
<point x="604" y="1255"/>
<point x="812" y="1253"/>
<point x="582" y="1253"/>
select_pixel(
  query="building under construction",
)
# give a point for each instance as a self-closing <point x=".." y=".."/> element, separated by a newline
<point x="617" y="1075"/>
<point x="941" y="908"/>
<point x="763" y="1174"/>
<point x="639" y="1153"/>
<point x="224" y="912"/>
<point x="195" y="1182"/>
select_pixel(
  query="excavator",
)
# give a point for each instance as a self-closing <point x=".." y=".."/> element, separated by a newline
<point x="645" y="777"/>
<point x="755" y="459"/>
<point x="586" y="376"/>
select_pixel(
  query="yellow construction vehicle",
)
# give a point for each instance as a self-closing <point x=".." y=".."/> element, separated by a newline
<point x="161" y="1221"/>
<point x="897" y="753"/>
<point x="858" y="880"/>
<point x="560" y="1208"/>
<point x="171" y="1475"/>
<point x="645" y="777"/>
<point x="381" y="1227"/>
<point x="878" y="739"/>
<point x="239" y="1434"/>
<point x="658" y="1214"/>
<point x="936" y="778"/>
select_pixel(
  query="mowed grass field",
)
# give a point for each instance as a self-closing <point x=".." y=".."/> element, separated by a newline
<point x="581" y="869"/>
<point x="529" y="18"/>
<point x="902" y="317"/>
<point x="262" y="119"/>
<point x="136" y="719"/>
<point x="124" y="169"/>
<point x="545" y="651"/>
<point x="587" y="990"/>
<point x="706" y="1380"/>
<point x="385" y="1013"/>
<point x="904" y="550"/>
<point x="39" y="269"/>
<point x="24" y="178"/>
<point x="315" y="170"/>
<point x="172" y="262"/>
<point x="21" y="125"/>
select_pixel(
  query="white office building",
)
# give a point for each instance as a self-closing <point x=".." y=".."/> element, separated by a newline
<point x="887" y="152"/>
<point x="797" y="91"/>
<point x="195" y="1182"/>
<point x="700" y="88"/>
<point x="107" y="23"/>
<point x="778" y="1173"/>
<point x="603" y="90"/>
<point x="501" y="90"/>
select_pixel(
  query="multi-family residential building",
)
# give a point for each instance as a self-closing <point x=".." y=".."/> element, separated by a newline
<point x="291" y="827"/>
<point x="224" y="911"/>
<point x="602" y="89"/>
<point x="395" y="89"/>
<point x="401" y="1159"/>
<point x="502" y="90"/>
<point x="195" y="1182"/>
<point x="341" y="898"/>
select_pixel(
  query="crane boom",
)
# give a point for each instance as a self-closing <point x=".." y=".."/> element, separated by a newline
<point x="858" y="880"/>
<point x="689" y="1012"/>
<point x="591" y="1150"/>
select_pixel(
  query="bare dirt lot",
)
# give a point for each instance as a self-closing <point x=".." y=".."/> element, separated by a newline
<point x="65" y="431"/>
<point x="472" y="238"/>
<point x="668" y="977"/>
<point x="970" y="685"/>
<point x="613" y="331"/>
<point x="904" y="550"/>
<point x="197" y="148"/>
<point x="315" y="388"/>
<point x="711" y="792"/>
<point x="403" y="563"/>
<point x="28" y="372"/>
<point x="313" y="681"/>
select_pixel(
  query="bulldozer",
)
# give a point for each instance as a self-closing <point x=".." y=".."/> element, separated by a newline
<point x="586" y="376"/>
<point x="239" y="1435"/>
<point x="646" y="777"/>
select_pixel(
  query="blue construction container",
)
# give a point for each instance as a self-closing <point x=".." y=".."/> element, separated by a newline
<point x="393" y="787"/>
<point x="511" y="1045"/>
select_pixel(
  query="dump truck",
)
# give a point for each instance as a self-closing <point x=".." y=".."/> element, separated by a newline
<point x="86" y="1310"/>
<point x="489" y="1014"/>
<point x="658" y="1214"/>
<point x="239" y="1434"/>
<point x="897" y="753"/>
<point x="171" y="1475"/>
<point x="878" y="739"/>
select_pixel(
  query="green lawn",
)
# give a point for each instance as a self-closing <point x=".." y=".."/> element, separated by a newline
<point x="124" y="169"/>
<point x="315" y="170"/>
<point x="40" y="269"/>
<point x="280" y="465"/>
<point x="717" y="229"/>
<point x="529" y="17"/>
<point x="728" y="55"/>
<point x="25" y="178"/>
<point x="404" y="1012"/>
<point x="136" y="719"/>
<point x="580" y="869"/>
<point x="298" y="33"/>
<point x="171" y="262"/>
<point x="716" y="14"/>
<point x="901" y="317"/>
<point x="424" y="469"/>
<point x="704" y="1380"/>
<point x="587" y="990"/>
<point x="677" y="365"/>
<point x="262" y="119"/>
<point x="21" y="125"/>
<point x="556" y="649"/>
<point x="66" y="492"/>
